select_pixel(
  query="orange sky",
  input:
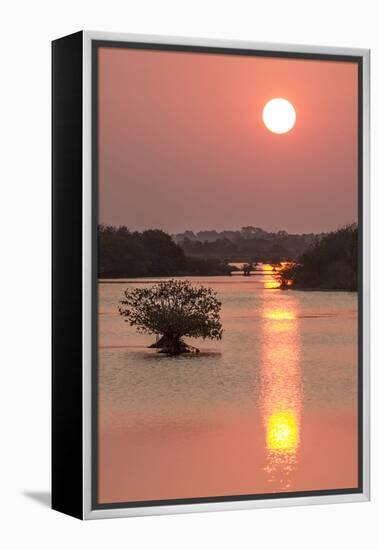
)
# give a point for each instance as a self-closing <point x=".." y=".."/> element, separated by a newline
<point x="182" y="144"/>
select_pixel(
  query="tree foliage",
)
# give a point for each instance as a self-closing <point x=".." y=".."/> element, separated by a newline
<point x="250" y="243"/>
<point x="123" y="253"/>
<point x="151" y="253"/>
<point x="173" y="309"/>
<point x="330" y="263"/>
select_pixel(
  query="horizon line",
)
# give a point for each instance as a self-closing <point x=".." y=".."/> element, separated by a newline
<point x="219" y="231"/>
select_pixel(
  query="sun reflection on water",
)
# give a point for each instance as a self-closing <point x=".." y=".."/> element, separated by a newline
<point x="281" y="391"/>
<point x="270" y="279"/>
<point x="278" y="314"/>
<point x="283" y="432"/>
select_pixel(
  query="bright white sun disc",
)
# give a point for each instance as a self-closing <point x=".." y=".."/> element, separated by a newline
<point x="279" y="115"/>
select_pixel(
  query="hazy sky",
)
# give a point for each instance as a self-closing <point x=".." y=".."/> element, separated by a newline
<point x="182" y="144"/>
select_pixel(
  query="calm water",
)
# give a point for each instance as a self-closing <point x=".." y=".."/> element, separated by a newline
<point x="270" y="408"/>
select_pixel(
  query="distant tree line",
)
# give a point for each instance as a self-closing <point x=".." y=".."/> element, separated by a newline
<point x="250" y="244"/>
<point x="331" y="263"/>
<point x="326" y="261"/>
<point x="125" y="253"/>
<point x="249" y="232"/>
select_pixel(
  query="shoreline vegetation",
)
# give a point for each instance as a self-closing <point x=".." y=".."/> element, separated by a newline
<point x="326" y="261"/>
<point x="330" y="263"/>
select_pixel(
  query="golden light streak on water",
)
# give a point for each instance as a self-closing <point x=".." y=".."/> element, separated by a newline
<point x="281" y="391"/>
<point x="270" y="279"/>
<point x="283" y="432"/>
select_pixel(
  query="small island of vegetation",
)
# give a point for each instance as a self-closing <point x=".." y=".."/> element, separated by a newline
<point x="171" y="310"/>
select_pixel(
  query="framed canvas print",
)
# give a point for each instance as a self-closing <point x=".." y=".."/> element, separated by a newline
<point x="210" y="275"/>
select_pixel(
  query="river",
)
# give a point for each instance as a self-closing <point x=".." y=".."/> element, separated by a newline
<point x="270" y="408"/>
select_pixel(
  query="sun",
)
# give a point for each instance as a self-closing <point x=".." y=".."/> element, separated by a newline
<point x="279" y="115"/>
